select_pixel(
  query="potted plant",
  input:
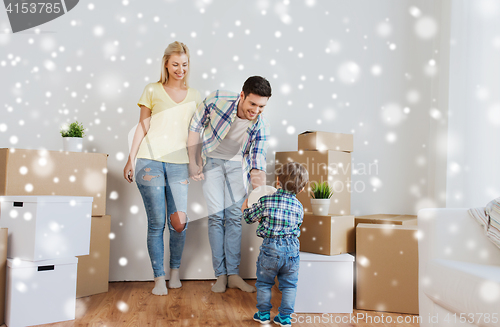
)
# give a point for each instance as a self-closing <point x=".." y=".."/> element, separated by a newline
<point x="320" y="198"/>
<point x="73" y="137"/>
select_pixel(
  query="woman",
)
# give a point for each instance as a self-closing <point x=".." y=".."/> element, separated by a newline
<point x="161" y="171"/>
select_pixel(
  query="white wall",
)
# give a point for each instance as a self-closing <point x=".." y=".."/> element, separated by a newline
<point x="473" y="175"/>
<point x="95" y="67"/>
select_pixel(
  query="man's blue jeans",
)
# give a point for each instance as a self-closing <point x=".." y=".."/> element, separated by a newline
<point x="224" y="193"/>
<point x="164" y="190"/>
<point x="278" y="257"/>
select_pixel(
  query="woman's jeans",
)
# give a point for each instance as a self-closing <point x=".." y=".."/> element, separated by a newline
<point x="164" y="190"/>
<point x="224" y="193"/>
<point x="278" y="257"/>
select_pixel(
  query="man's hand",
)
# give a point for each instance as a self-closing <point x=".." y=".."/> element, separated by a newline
<point x="196" y="172"/>
<point x="257" y="178"/>
<point x="244" y="206"/>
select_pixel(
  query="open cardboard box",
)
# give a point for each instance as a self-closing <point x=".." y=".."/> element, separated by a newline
<point x="407" y="220"/>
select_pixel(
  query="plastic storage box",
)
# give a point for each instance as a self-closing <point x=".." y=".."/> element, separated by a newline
<point x="40" y="292"/>
<point x="325" y="284"/>
<point x="46" y="227"/>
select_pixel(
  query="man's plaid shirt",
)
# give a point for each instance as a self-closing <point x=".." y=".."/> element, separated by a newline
<point x="279" y="214"/>
<point x="214" y="117"/>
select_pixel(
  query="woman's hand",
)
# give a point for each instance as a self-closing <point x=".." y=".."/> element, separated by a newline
<point x="128" y="171"/>
<point x="196" y="172"/>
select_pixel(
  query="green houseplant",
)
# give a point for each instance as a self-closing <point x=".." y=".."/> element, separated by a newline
<point x="75" y="129"/>
<point x="321" y="194"/>
<point x="73" y="136"/>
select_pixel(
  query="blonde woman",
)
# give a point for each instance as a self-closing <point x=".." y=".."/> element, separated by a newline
<point x="161" y="170"/>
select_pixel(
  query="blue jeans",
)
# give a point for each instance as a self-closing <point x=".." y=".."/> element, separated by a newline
<point x="278" y="257"/>
<point x="164" y="190"/>
<point x="224" y="193"/>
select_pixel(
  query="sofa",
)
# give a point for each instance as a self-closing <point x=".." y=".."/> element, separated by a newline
<point x="459" y="271"/>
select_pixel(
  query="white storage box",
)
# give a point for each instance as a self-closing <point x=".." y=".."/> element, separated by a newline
<point x="325" y="284"/>
<point x="46" y="227"/>
<point x="40" y="292"/>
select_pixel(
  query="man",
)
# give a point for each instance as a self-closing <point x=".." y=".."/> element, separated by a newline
<point x="231" y="157"/>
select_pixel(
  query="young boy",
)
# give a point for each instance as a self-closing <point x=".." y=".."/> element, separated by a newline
<point x="280" y="216"/>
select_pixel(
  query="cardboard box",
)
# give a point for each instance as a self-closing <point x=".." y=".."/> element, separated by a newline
<point x="325" y="284"/>
<point x="332" y="166"/>
<point x="322" y="141"/>
<point x="40" y="292"/>
<point x="3" y="271"/>
<point x="46" y="227"/>
<point x="407" y="220"/>
<point x="42" y="172"/>
<point x="328" y="235"/>
<point x="387" y="268"/>
<point x="93" y="269"/>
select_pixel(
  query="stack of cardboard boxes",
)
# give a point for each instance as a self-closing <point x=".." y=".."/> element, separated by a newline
<point x="42" y="172"/>
<point x="327" y="157"/>
<point x="326" y="269"/>
<point x="385" y="245"/>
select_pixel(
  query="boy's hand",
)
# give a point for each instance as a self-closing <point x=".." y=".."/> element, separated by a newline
<point x="244" y="206"/>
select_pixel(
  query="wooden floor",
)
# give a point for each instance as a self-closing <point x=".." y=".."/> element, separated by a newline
<point x="132" y="304"/>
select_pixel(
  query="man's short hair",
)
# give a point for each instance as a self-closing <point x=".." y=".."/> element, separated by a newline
<point x="257" y="85"/>
<point x="292" y="177"/>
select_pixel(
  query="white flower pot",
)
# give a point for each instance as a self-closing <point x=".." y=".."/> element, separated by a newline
<point x="72" y="144"/>
<point x="320" y="207"/>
